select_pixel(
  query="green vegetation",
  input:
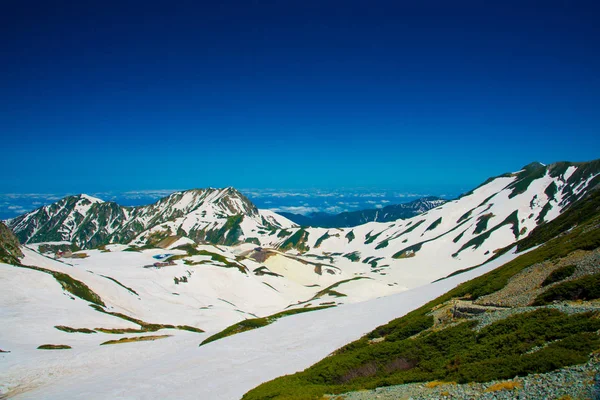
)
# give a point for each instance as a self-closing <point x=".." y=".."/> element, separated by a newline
<point x="477" y="241"/>
<point x="354" y="256"/>
<point x="77" y="288"/>
<point x="459" y="353"/>
<point x="465" y="216"/>
<point x="120" y="284"/>
<point x="133" y="248"/>
<point x="154" y="238"/>
<point x="409" y="251"/>
<point x="482" y="223"/>
<point x="456" y="239"/>
<point x="559" y="274"/>
<point x="228" y="234"/>
<point x="551" y="190"/>
<point x="585" y="288"/>
<point x="583" y="211"/>
<point x="10" y="250"/>
<point x="412" y="250"/>
<point x="322" y="239"/>
<point x="329" y="289"/>
<point x="283" y="233"/>
<point x="547" y="207"/>
<point x="297" y="241"/>
<point x="135" y="339"/>
<point x="54" y="347"/>
<point x="488" y="180"/>
<point x="74" y="330"/>
<point x="530" y="173"/>
<point x="260" y="271"/>
<point x="249" y="324"/>
<point x="350" y="236"/>
<point x="382" y="244"/>
<point x="253" y="240"/>
<point x="191" y="250"/>
<point x="371" y="238"/>
<point x="71" y="285"/>
<point x="144" y="326"/>
<point x="434" y="224"/>
<point x="409" y="349"/>
<point x="408" y="230"/>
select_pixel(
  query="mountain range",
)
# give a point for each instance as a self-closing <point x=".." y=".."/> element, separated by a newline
<point x="205" y="266"/>
<point x="347" y="219"/>
<point x="218" y="216"/>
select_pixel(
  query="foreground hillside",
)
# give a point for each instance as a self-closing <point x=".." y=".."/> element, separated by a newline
<point x="533" y="315"/>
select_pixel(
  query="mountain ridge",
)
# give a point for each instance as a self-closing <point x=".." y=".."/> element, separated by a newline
<point x="349" y="219"/>
<point x="89" y="222"/>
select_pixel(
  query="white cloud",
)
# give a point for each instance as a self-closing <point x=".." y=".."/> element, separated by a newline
<point x="295" y="209"/>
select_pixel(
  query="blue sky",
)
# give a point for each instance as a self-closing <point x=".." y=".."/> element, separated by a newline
<point x="427" y="97"/>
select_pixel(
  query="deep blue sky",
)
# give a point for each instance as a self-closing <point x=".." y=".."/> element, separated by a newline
<point x="103" y="95"/>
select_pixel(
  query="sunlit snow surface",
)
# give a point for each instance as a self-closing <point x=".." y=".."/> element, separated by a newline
<point x="176" y="367"/>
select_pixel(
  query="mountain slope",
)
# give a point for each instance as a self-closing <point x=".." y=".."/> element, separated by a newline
<point x="172" y="288"/>
<point x="220" y="216"/>
<point x="10" y="251"/>
<point x="458" y="234"/>
<point x="469" y="334"/>
<point x="354" y="218"/>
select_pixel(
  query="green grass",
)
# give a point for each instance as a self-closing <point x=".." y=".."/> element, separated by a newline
<point x="354" y="256"/>
<point x="74" y="330"/>
<point x="411" y="352"/>
<point x="120" y="284"/>
<point x="465" y="216"/>
<point x="283" y="233"/>
<point x="371" y="238"/>
<point x="350" y="236"/>
<point x="530" y="173"/>
<point x="71" y="285"/>
<point x="482" y="223"/>
<point x="457" y="239"/>
<point x="551" y="190"/>
<point x="54" y="347"/>
<point x="322" y="239"/>
<point x="329" y="289"/>
<point x="580" y="213"/>
<point x="253" y="240"/>
<point x="458" y="353"/>
<point x="585" y="288"/>
<point x="408" y="230"/>
<point x="382" y="244"/>
<point x="135" y="339"/>
<point x="477" y="241"/>
<point x="296" y="241"/>
<point x="559" y="274"/>
<point x="193" y="251"/>
<point x="410" y="251"/>
<point x="144" y="326"/>
<point x="254" y="323"/>
<point x="434" y="224"/>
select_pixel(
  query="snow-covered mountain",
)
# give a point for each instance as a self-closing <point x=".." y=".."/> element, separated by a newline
<point x="458" y="234"/>
<point x="219" y="216"/>
<point x="353" y="218"/>
<point x="182" y="287"/>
